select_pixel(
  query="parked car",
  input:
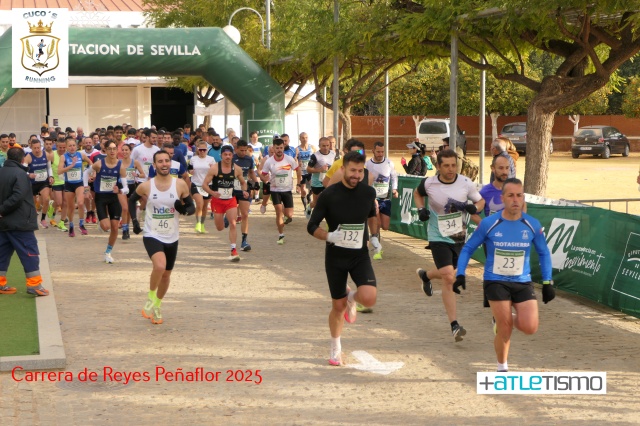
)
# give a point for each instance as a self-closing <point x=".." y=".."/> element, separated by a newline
<point x="517" y="133"/>
<point x="433" y="130"/>
<point x="599" y="140"/>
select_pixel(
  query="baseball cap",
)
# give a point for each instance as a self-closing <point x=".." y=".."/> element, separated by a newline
<point x="413" y="145"/>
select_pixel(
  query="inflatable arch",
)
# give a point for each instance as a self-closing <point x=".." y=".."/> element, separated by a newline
<point x="206" y="52"/>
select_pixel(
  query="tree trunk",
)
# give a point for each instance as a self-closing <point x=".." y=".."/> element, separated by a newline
<point x="494" y="125"/>
<point x="539" y="126"/>
<point x="207" y="121"/>
<point x="345" y="119"/>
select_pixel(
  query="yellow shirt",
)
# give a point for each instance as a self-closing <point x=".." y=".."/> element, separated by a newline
<point x="335" y="166"/>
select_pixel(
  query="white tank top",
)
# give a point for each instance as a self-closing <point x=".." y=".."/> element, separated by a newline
<point x="161" y="220"/>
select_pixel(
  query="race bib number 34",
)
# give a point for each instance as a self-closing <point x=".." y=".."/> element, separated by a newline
<point x="352" y="236"/>
<point x="508" y="262"/>
<point x="450" y="224"/>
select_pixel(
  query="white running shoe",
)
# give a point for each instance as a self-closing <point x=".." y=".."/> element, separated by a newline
<point x="335" y="358"/>
<point x="108" y="258"/>
<point x="263" y="208"/>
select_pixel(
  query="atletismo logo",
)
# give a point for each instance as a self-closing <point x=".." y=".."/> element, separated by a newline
<point x="542" y="383"/>
<point x="163" y="210"/>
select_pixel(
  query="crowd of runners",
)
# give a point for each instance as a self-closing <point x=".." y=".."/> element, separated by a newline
<point x="142" y="180"/>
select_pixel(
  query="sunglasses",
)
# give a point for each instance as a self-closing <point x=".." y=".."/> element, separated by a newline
<point x="202" y="150"/>
<point x="360" y="151"/>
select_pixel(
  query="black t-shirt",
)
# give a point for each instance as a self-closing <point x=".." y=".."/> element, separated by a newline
<point x="341" y="205"/>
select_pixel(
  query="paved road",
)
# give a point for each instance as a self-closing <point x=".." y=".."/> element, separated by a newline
<point x="269" y="313"/>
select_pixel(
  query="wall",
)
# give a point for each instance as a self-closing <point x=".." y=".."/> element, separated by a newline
<point x="402" y="129"/>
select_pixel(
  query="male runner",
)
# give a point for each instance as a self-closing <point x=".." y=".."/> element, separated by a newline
<point x="278" y="170"/>
<point x="447" y="214"/>
<point x="223" y="176"/>
<point x="319" y="163"/>
<point x="385" y="182"/>
<point x="508" y="236"/>
<point x="59" y="201"/>
<point x="242" y="159"/>
<point x="346" y="207"/>
<point x="303" y="155"/>
<point x="41" y="175"/>
<point x="166" y="198"/>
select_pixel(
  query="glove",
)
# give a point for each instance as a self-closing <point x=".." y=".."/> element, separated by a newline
<point x="548" y="292"/>
<point x="180" y="208"/>
<point x="403" y="161"/>
<point x="423" y="214"/>
<point x="471" y="208"/>
<point x="124" y="190"/>
<point x="334" y="237"/>
<point x="136" y="226"/>
<point x="461" y="281"/>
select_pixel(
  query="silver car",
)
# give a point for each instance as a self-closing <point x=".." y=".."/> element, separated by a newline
<point x="517" y="133"/>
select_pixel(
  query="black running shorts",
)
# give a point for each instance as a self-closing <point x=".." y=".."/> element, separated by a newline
<point x="505" y="290"/>
<point x="170" y="251"/>
<point x="339" y="267"/>
<point x="108" y="206"/>
<point x="445" y="254"/>
<point x="285" y="198"/>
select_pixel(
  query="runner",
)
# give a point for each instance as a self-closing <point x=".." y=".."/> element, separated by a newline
<point x="89" y="202"/>
<point x="266" y="186"/>
<point x="303" y="155"/>
<point x="59" y="202"/>
<point x="109" y="172"/>
<point x="278" y="170"/>
<point x="509" y="236"/>
<point x="447" y="214"/>
<point x="178" y="170"/>
<point x="346" y="207"/>
<point x="319" y="162"/>
<point x="144" y="154"/>
<point x="74" y="187"/>
<point x="385" y="182"/>
<point x="134" y="172"/>
<point x="41" y="175"/>
<point x="243" y="160"/>
<point x="201" y="164"/>
<point x="222" y="177"/>
<point x="166" y="199"/>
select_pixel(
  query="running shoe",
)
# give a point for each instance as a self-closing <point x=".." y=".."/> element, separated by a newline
<point x="425" y="282"/>
<point x="53" y="223"/>
<point x="72" y="232"/>
<point x="263" y="208"/>
<point x="156" y="318"/>
<point x="363" y="309"/>
<point x="287" y="220"/>
<point x="238" y="219"/>
<point x="197" y="228"/>
<point x="147" y="309"/>
<point x="83" y="230"/>
<point x="51" y="211"/>
<point x="5" y="289"/>
<point x="234" y="256"/>
<point x="44" y="224"/>
<point x="245" y="246"/>
<point x="281" y="240"/>
<point x="202" y="230"/>
<point x="62" y="227"/>
<point x="126" y="235"/>
<point x="307" y="211"/>
<point x="503" y="371"/>
<point x="37" y="290"/>
<point x="226" y="222"/>
<point x="350" y="314"/>
<point x="494" y="325"/>
<point x="108" y="258"/>
<point x="335" y="358"/>
<point x="378" y="254"/>
<point x="211" y="215"/>
<point x="458" y="331"/>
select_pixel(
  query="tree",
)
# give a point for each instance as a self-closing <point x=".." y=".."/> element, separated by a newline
<point x="590" y="40"/>
<point x="631" y="99"/>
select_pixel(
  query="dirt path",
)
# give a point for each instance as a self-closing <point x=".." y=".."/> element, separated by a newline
<point x="269" y="313"/>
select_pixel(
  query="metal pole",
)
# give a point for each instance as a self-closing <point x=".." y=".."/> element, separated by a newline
<point x="324" y="113"/>
<point x="386" y="114"/>
<point x="268" y="13"/>
<point x="226" y="115"/>
<point x="453" y="102"/>
<point x="483" y="115"/>
<point x="336" y="72"/>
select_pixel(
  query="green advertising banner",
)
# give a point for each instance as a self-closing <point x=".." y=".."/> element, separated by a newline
<point x="595" y="252"/>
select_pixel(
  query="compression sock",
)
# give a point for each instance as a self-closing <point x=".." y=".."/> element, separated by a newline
<point x="109" y="248"/>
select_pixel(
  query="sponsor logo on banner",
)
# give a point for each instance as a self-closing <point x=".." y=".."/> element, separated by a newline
<point x="408" y="213"/>
<point x="627" y="279"/>
<point x="559" y="239"/>
<point x="542" y="383"/>
<point x="40" y="52"/>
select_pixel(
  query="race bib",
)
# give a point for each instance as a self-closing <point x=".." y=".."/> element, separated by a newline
<point x="508" y="262"/>
<point x="225" y="193"/>
<point x="321" y="176"/>
<point x="450" y="224"/>
<point x="74" y="174"/>
<point x="145" y="168"/>
<point x="352" y="236"/>
<point x="107" y="183"/>
<point x="282" y="180"/>
<point x="236" y="185"/>
<point x="162" y="223"/>
<point x="303" y="165"/>
<point x="131" y="175"/>
<point x="41" y="175"/>
<point x="202" y="192"/>
<point x="382" y="189"/>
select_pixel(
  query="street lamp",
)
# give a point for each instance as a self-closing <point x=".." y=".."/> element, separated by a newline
<point x="234" y="33"/>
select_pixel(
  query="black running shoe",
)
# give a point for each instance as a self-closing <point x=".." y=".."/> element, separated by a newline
<point x="426" y="282"/>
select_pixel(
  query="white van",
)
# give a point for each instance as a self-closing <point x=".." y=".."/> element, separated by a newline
<point x="433" y="130"/>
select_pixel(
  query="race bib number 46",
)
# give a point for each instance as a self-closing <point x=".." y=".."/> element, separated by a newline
<point x="508" y="262"/>
<point x="162" y="224"/>
<point x="352" y="236"/>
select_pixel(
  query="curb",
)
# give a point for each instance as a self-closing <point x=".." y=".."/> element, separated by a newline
<point x="49" y="335"/>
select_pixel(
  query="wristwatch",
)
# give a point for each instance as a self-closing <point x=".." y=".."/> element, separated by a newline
<point x="547" y="282"/>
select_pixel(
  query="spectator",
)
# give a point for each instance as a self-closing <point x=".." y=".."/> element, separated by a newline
<point x="416" y="166"/>
<point x="499" y="147"/>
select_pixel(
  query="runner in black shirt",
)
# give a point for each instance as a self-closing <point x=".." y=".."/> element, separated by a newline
<point x="346" y="206"/>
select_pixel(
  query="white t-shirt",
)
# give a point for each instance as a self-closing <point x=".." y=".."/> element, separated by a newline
<point x="385" y="177"/>
<point x="201" y="167"/>
<point x="281" y="173"/>
<point x="145" y="156"/>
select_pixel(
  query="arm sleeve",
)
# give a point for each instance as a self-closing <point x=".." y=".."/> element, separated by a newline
<point x="540" y="244"/>
<point x="312" y="161"/>
<point x="317" y="215"/>
<point x="422" y="190"/>
<point x="133" y="199"/>
<point x="477" y="238"/>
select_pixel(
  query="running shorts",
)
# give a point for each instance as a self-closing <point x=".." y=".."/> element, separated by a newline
<point x="505" y="290"/>
<point x="339" y="266"/>
<point x="170" y="251"/>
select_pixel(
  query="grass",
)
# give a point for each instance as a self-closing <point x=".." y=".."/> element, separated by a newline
<point x="18" y="317"/>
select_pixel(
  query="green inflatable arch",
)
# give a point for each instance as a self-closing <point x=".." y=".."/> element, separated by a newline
<point x="206" y="52"/>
